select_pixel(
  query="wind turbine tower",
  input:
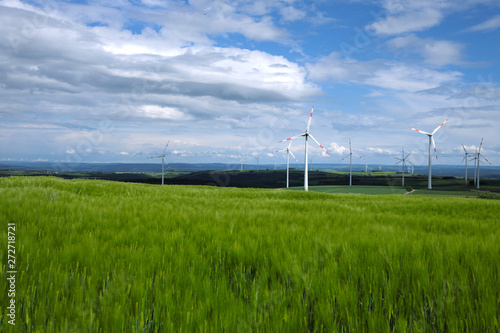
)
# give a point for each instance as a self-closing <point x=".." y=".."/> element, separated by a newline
<point x="307" y="135"/>
<point x="431" y="143"/>
<point x="162" y="163"/>
<point x="350" y="161"/>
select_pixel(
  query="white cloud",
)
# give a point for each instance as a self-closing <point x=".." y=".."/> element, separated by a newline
<point x="488" y="25"/>
<point x="335" y="148"/>
<point x="291" y="13"/>
<point x="158" y="112"/>
<point x="388" y="75"/>
<point x="416" y="19"/>
<point x="434" y="52"/>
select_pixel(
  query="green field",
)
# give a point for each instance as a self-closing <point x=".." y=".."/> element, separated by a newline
<point x="100" y="256"/>
<point x="358" y="189"/>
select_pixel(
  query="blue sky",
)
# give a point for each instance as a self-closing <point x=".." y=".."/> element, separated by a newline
<point x="113" y="81"/>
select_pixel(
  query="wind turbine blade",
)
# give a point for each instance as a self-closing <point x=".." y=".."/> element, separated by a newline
<point x="165" y="161"/>
<point x="358" y="156"/>
<point x="319" y="144"/>
<point x="419" y="131"/>
<point x="310" y="117"/>
<point x="464" y="148"/>
<point x="294" y="157"/>
<point x="166" y="147"/>
<point x="485" y="158"/>
<point x="479" y="152"/>
<point x="434" y="144"/>
<point x="155" y="156"/>
<point x="293" y="137"/>
<point x="409" y="162"/>
<point x="407" y="156"/>
<point x="345" y="157"/>
<point x="440" y="126"/>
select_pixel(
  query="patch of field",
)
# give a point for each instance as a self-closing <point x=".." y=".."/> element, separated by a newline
<point x="357" y="189"/>
<point x="100" y="256"/>
<point x="444" y="193"/>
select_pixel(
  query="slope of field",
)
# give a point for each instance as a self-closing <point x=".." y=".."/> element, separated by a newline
<point x="359" y="189"/>
<point x="104" y="256"/>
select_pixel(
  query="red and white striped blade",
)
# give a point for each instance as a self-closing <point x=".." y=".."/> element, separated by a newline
<point x="440" y="126"/>
<point x="419" y="131"/>
<point x="294" y="157"/>
<point x="166" y="147"/>
<point x="293" y="137"/>
<point x="485" y="159"/>
<point x="479" y="152"/>
<point x="155" y="156"/>
<point x="319" y="144"/>
<point x="434" y="144"/>
<point x="310" y="117"/>
<point x="345" y="157"/>
<point x="358" y="156"/>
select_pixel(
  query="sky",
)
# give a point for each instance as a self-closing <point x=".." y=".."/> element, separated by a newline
<point x="114" y="81"/>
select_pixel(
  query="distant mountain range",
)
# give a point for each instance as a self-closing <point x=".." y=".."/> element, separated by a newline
<point x="437" y="170"/>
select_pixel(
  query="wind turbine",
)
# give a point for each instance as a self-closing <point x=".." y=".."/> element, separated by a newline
<point x="465" y="159"/>
<point x="479" y="155"/>
<point x="288" y="153"/>
<point x="241" y="161"/>
<point x="403" y="159"/>
<point x="162" y="163"/>
<point x="306" y="135"/>
<point x="350" y="161"/>
<point x="257" y="158"/>
<point x="431" y="142"/>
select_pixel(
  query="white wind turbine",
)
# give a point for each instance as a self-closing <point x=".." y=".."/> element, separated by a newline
<point x="431" y="143"/>
<point x="403" y="159"/>
<point x="288" y="153"/>
<point x="257" y="158"/>
<point x="241" y="161"/>
<point x="162" y="163"/>
<point x="478" y="161"/>
<point x="350" y="161"/>
<point x="467" y="155"/>
<point x="306" y="135"/>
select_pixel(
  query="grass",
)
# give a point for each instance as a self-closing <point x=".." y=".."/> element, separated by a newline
<point x="358" y="189"/>
<point x="99" y="256"/>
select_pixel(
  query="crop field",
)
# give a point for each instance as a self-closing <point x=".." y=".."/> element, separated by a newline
<point x="354" y="189"/>
<point x="101" y="256"/>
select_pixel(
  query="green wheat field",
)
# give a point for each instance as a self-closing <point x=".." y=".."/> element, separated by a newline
<point x="100" y="256"/>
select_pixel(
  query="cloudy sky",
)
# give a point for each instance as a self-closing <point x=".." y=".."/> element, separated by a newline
<point x="114" y="81"/>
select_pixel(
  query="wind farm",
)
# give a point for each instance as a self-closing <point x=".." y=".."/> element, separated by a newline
<point x="146" y="185"/>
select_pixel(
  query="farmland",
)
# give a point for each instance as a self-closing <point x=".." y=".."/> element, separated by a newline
<point x="96" y="255"/>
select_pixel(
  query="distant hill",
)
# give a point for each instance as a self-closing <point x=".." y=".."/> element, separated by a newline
<point x="437" y="170"/>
